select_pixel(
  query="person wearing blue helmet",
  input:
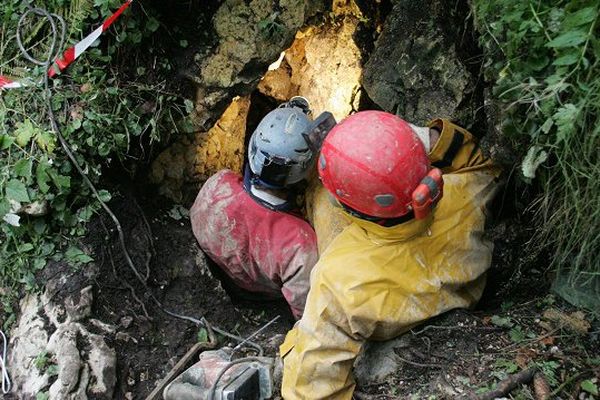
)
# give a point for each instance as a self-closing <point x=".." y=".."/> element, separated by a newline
<point x="249" y="226"/>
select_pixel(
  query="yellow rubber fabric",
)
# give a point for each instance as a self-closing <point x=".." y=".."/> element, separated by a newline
<point x="374" y="283"/>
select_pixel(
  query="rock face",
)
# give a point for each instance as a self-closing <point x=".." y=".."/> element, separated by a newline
<point x="194" y="160"/>
<point x="53" y="350"/>
<point x="379" y="360"/>
<point x="415" y="71"/>
<point x="251" y="35"/>
<point x="324" y="64"/>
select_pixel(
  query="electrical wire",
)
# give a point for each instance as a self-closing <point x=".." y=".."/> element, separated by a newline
<point x="265" y="326"/>
<point x="5" y="377"/>
<point x="52" y="53"/>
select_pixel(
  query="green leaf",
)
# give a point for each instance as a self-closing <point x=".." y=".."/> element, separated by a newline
<point x="76" y="124"/>
<point x="567" y="59"/>
<point x="103" y="149"/>
<point x="6" y="141"/>
<point x="183" y="43"/>
<point x="517" y="335"/>
<point x="589" y="387"/>
<point x="502" y="322"/>
<point x="581" y="17"/>
<point x="60" y="181"/>
<point x="52" y="370"/>
<point x="152" y="25"/>
<point x="565" y="119"/>
<point x="25" y="247"/>
<point x="42" y="177"/>
<point x="42" y="396"/>
<point x="39" y="264"/>
<point x="547" y="125"/>
<point x="569" y="39"/>
<point x="75" y="255"/>
<point x="16" y="190"/>
<point x="508" y="366"/>
<point x="23" y="168"/>
<point x="104" y="195"/>
<point x="24" y="132"/>
<point x="46" y="141"/>
<point x="202" y="336"/>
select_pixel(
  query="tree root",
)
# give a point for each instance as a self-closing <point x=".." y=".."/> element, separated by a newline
<point x="541" y="388"/>
<point x="508" y="384"/>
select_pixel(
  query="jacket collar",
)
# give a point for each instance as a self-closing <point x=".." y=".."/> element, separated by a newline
<point x="398" y="233"/>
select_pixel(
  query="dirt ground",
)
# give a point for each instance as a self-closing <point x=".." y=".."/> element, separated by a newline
<point x="453" y="356"/>
<point x="149" y="342"/>
<point x="516" y="326"/>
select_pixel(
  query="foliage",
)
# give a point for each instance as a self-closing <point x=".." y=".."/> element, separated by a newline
<point x="106" y="113"/>
<point x="550" y="369"/>
<point x="543" y="57"/>
<point x="202" y="335"/>
<point x="589" y="387"/>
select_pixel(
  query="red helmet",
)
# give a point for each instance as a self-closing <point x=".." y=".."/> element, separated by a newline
<point x="372" y="162"/>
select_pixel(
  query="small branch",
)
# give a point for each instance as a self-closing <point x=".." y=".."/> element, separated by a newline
<point x="508" y="384"/>
<point x="568" y="381"/>
<point x="416" y="364"/>
<point x="541" y="388"/>
<point x="128" y="285"/>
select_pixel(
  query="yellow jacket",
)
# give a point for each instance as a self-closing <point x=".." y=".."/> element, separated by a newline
<point x="374" y="283"/>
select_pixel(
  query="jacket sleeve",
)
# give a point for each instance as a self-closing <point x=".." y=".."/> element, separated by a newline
<point x="296" y="277"/>
<point x="319" y="352"/>
<point x="457" y="150"/>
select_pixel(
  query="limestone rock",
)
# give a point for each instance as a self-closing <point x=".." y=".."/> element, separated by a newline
<point x="250" y="36"/>
<point x="102" y="362"/>
<point x="84" y="363"/>
<point x="223" y="145"/>
<point x="414" y="70"/>
<point x="277" y="83"/>
<point x="63" y="345"/>
<point x="28" y="340"/>
<point x="194" y="160"/>
<point x="329" y="74"/>
<point x="171" y="168"/>
<point x="378" y="360"/>
<point x="324" y="65"/>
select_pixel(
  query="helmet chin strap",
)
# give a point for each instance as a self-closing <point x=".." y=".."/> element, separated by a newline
<point x="385" y="222"/>
<point x="252" y="187"/>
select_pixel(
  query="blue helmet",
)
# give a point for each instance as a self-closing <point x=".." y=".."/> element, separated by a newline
<point x="278" y="154"/>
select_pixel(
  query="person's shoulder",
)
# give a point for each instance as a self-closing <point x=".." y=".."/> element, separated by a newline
<point x="349" y="245"/>
<point x="222" y="184"/>
<point x="225" y="175"/>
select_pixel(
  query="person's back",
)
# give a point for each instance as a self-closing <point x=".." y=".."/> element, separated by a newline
<point x="250" y="226"/>
<point x="260" y="249"/>
<point x="374" y="282"/>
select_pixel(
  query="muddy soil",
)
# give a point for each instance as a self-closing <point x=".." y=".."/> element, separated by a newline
<point x="465" y="353"/>
<point x="149" y="342"/>
<point x="453" y="356"/>
<point x="515" y="326"/>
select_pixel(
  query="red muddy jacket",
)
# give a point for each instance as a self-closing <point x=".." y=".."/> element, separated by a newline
<point x="261" y="250"/>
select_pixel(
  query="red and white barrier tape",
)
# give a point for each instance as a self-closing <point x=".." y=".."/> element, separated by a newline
<point x="72" y="53"/>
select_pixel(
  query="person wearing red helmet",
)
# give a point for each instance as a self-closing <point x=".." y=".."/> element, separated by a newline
<point x="413" y="247"/>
